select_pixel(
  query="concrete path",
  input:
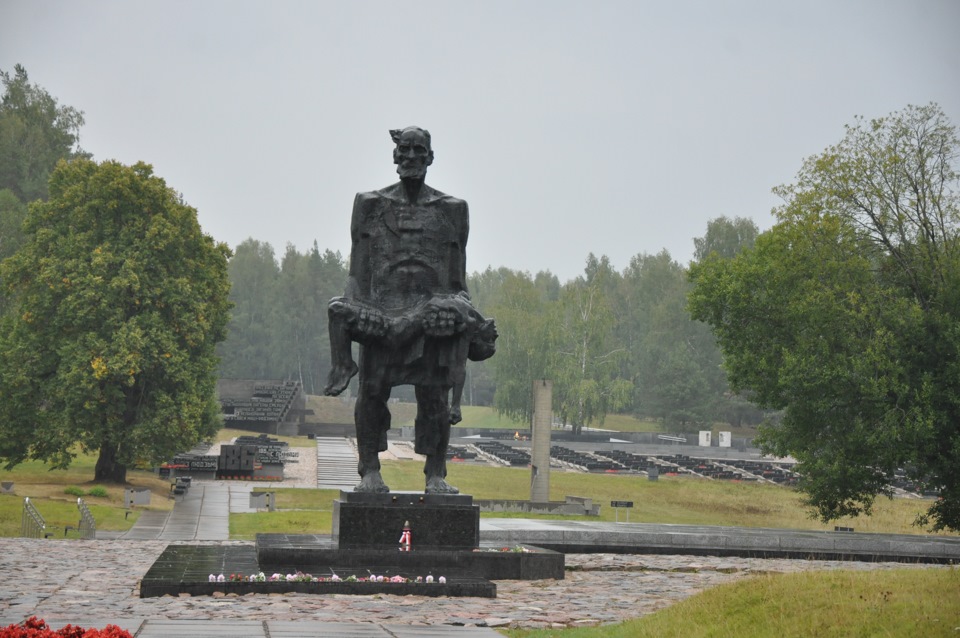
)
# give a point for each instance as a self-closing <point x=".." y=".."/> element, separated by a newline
<point x="336" y="464"/>
<point x="202" y="513"/>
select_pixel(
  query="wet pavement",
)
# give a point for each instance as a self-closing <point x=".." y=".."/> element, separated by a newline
<point x="92" y="583"/>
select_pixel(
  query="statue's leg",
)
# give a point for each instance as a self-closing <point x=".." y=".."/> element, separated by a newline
<point x="433" y="436"/>
<point x="372" y="418"/>
<point x="343" y="367"/>
<point x="458" y="377"/>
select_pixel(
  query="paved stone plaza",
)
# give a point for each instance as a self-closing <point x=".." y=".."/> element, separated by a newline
<point x="92" y="583"/>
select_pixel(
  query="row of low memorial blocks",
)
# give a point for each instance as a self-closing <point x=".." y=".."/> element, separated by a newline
<point x="255" y="401"/>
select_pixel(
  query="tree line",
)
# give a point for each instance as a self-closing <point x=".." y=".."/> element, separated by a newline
<point x="611" y="341"/>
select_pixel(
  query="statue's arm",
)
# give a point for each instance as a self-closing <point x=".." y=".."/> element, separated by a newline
<point x="459" y="259"/>
<point x="358" y="277"/>
<point x="353" y="309"/>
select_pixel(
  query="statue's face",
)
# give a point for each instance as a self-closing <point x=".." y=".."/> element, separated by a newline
<point x="412" y="154"/>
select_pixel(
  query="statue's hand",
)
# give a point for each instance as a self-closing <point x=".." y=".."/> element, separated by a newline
<point x="341" y="308"/>
<point x="441" y="319"/>
<point x="371" y="323"/>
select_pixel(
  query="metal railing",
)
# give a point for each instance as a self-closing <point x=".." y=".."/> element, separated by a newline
<point x="32" y="524"/>
<point x="88" y="526"/>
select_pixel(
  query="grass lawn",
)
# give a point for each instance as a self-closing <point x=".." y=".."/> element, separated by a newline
<point x="340" y="410"/>
<point x="677" y="500"/>
<point x="672" y="500"/>
<point x="482" y="417"/>
<point x="247" y="526"/>
<point x="627" y="423"/>
<point x="336" y="410"/>
<point x="46" y="487"/>
<point x="904" y="602"/>
<point x="299" y="511"/>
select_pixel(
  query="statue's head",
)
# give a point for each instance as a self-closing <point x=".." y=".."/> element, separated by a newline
<point x="412" y="154"/>
<point x="483" y="343"/>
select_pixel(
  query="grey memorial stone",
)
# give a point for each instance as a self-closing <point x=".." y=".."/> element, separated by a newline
<point x="136" y="496"/>
<point x="263" y="501"/>
<point x="542" y="421"/>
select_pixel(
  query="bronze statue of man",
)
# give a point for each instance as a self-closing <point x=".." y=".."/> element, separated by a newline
<point x="406" y="304"/>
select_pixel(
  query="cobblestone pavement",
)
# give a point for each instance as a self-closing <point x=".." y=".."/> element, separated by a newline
<point x="71" y="581"/>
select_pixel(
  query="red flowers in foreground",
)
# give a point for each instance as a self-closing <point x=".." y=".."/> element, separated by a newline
<point x="34" y="627"/>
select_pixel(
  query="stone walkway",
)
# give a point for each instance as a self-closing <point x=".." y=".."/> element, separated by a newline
<point x="92" y="583"/>
<point x="203" y="513"/>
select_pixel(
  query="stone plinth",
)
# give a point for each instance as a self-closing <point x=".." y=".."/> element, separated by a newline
<point x="186" y="569"/>
<point x="440" y="521"/>
<point x="318" y="554"/>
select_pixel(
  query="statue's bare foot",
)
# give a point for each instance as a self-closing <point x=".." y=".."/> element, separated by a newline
<point x="455" y="415"/>
<point x="436" y="485"/>
<point x="372" y="482"/>
<point x="339" y="379"/>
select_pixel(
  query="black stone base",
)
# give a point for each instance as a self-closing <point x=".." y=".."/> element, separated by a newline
<point x="316" y="552"/>
<point x="367" y="529"/>
<point x="447" y="521"/>
<point x="186" y="569"/>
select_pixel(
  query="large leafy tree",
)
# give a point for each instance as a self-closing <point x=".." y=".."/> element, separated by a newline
<point x="12" y="214"/>
<point x="35" y="132"/>
<point x="846" y="315"/>
<point x="120" y="300"/>
<point x="724" y="238"/>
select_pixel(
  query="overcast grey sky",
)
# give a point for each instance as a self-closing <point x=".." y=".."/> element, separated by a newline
<point x="612" y="127"/>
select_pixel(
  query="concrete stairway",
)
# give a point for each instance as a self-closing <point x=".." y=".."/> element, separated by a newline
<point x="336" y="464"/>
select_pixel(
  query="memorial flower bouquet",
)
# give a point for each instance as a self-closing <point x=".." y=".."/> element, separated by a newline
<point x="301" y="577"/>
<point x="34" y="627"/>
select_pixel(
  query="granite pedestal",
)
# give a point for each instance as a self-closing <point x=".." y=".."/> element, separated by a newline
<point x="367" y="530"/>
<point x="445" y="539"/>
<point x="447" y="521"/>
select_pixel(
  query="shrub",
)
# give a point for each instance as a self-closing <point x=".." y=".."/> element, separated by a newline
<point x="73" y="491"/>
<point x="98" y="490"/>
